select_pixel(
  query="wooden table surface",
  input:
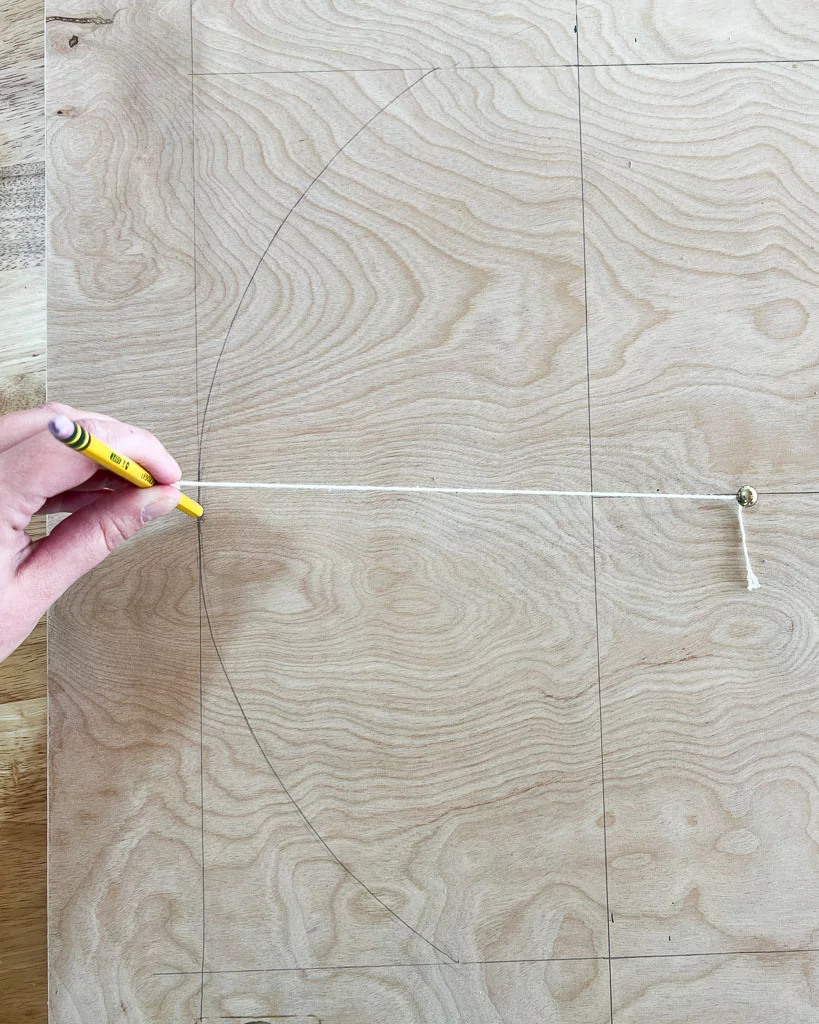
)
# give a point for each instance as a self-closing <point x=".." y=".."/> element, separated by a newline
<point x="22" y="383"/>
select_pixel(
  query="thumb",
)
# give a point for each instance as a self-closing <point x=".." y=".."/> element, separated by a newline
<point x="84" y="539"/>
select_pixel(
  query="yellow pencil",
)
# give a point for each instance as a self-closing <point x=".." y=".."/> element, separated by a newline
<point x="80" y="440"/>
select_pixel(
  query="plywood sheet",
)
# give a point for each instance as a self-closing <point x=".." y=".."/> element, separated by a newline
<point x="700" y="186"/>
<point x="710" y="728"/>
<point x="441" y="738"/>
<point x="697" y="31"/>
<point x="780" y="988"/>
<point x="305" y="36"/>
<point x="421" y="309"/>
<point x="437" y="757"/>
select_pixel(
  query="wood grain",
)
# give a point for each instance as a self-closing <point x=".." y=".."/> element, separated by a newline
<point x="21" y="72"/>
<point x="701" y="191"/>
<point x="781" y="989"/>
<point x="22" y="217"/>
<point x="421" y="311"/>
<point x="576" y="993"/>
<point x="120" y="229"/>
<point x="125" y="836"/>
<point x="22" y="384"/>
<point x="710" y="727"/>
<point x="628" y="31"/>
<point x="327" y="35"/>
<point x="401" y="812"/>
<point x="124" y="839"/>
<point x="432" y="710"/>
<point x="442" y="738"/>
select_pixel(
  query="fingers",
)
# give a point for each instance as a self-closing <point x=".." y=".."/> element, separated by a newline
<point x="39" y="467"/>
<point x="18" y="426"/>
<point x="97" y="486"/>
<point x="83" y="540"/>
<point x="102" y="480"/>
<point x="71" y="501"/>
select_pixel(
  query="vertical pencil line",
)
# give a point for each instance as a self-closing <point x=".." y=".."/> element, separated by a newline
<point x="591" y="499"/>
<point x="198" y="522"/>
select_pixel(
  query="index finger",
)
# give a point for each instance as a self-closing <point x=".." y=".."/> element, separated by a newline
<point x="17" y="426"/>
<point x="41" y="467"/>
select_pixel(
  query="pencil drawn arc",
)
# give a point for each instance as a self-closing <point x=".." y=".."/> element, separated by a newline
<point x="367" y="124"/>
<point x="310" y="826"/>
<point x="308" y="823"/>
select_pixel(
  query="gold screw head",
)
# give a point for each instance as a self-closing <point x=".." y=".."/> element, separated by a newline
<point x="747" y="496"/>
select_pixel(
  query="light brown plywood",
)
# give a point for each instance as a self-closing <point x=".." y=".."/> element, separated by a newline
<point x="421" y="309"/>
<point x="386" y="801"/>
<point x="701" y="185"/>
<point x="776" y="988"/>
<point x="331" y="36"/>
<point x="21" y="72"/>
<point x="710" y="732"/>
<point x="569" y="992"/>
<point x="662" y="31"/>
<point x="427" y="706"/>
<point x="124" y="839"/>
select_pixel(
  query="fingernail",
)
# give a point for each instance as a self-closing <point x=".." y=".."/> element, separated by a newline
<point x="158" y="508"/>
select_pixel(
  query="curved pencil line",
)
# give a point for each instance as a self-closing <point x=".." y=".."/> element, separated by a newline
<point x="316" y="834"/>
<point x="269" y="245"/>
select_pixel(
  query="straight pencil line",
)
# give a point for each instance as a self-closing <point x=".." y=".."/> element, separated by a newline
<point x="591" y="501"/>
<point x="201" y="769"/>
<point x="198" y="522"/>
<point x="787" y="494"/>
<point x="316" y="71"/>
<point x="295" y="970"/>
<point x="728" y="62"/>
<point x="727" y="952"/>
<point x="498" y="963"/>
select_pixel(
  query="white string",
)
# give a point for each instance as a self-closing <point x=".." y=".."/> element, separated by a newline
<point x="379" y="488"/>
<point x="753" y="582"/>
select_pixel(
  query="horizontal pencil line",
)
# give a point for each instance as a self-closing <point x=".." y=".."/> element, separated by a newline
<point x="420" y="489"/>
<point x="505" y="67"/>
<point x="319" y="71"/>
<point x="789" y="494"/>
<point x="490" y="963"/>
<point x="727" y="952"/>
<point x="285" y="970"/>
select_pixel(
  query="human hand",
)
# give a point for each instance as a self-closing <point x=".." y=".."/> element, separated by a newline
<point x="39" y="474"/>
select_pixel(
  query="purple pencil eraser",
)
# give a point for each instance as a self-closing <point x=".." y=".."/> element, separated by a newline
<point x="61" y="427"/>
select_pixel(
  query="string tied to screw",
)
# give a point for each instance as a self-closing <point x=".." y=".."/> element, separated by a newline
<point x="745" y="497"/>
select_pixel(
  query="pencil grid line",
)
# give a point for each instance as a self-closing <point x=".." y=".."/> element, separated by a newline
<point x="198" y="521"/>
<point x="482" y="963"/>
<point x="591" y="505"/>
<point x="727" y="62"/>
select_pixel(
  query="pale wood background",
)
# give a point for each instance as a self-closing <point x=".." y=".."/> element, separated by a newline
<point x="341" y="757"/>
<point x="22" y="384"/>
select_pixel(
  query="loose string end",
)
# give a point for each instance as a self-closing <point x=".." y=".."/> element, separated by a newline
<point x="750" y="575"/>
